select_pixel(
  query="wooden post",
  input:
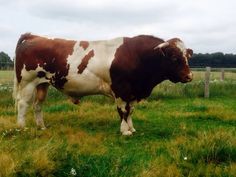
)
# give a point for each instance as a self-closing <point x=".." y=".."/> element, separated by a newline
<point x="222" y="74"/>
<point x="207" y="82"/>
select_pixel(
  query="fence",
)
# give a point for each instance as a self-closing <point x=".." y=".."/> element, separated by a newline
<point x="207" y="80"/>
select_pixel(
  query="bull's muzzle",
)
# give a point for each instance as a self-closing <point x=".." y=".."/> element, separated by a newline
<point x="189" y="77"/>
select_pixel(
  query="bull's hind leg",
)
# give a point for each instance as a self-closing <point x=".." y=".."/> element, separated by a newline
<point x="40" y="95"/>
<point x="24" y="97"/>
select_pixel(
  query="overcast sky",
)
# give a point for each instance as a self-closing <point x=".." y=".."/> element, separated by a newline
<point x="204" y="25"/>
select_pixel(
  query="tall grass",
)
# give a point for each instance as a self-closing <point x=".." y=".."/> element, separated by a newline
<point x="194" y="89"/>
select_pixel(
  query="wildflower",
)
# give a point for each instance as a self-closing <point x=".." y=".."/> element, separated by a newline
<point x="73" y="172"/>
<point x="185" y="158"/>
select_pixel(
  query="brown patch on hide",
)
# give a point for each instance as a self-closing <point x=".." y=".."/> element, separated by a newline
<point x="84" y="44"/>
<point x="85" y="61"/>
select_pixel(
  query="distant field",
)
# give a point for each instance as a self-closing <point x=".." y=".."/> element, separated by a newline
<point x="179" y="133"/>
<point x="6" y="77"/>
<point x="199" y="73"/>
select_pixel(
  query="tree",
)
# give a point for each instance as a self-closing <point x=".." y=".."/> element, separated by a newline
<point x="5" y="61"/>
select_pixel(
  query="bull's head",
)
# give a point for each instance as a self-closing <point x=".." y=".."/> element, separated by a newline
<point x="176" y="60"/>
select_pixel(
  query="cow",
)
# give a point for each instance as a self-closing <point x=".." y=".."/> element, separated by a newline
<point x="126" y="69"/>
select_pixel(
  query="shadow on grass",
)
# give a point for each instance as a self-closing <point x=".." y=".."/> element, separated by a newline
<point x="210" y="121"/>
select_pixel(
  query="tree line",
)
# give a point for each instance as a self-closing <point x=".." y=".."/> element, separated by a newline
<point x="215" y="60"/>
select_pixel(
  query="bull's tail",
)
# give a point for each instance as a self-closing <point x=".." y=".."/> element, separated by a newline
<point x="15" y="85"/>
<point x="22" y="38"/>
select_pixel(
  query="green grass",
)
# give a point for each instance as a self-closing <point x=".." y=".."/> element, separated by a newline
<point x="179" y="133"/>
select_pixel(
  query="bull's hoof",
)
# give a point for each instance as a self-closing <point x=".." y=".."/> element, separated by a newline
<point x="40" y="125"/>
<point x="127" y="133"/>
<point x="43" y="128"/>
<point x="21" y="124"/>
<point x="132" y="130"/>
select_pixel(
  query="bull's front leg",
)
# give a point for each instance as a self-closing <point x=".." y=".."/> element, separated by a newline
<point x="125" y="110"/>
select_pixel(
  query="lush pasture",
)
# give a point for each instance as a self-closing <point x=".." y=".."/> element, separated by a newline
<point x="179" y="133"/>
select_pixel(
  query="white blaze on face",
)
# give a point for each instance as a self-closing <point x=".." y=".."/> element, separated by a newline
<point x="180" y="45"/>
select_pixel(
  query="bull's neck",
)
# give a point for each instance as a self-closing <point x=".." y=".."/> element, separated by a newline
<point x="153" y="63"/>
<point x="151" y="72"/>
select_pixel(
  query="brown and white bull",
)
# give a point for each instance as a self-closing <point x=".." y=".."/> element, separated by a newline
<point x="126" y="69"/>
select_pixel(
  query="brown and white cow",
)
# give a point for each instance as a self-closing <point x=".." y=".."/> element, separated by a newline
<point x="126" y="69"/>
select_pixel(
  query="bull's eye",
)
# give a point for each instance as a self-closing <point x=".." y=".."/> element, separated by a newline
<point x="174" y="59"/>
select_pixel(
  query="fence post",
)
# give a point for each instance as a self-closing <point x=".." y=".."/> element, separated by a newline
<point x="222" y="74"/>
<point x="207" y="82"/>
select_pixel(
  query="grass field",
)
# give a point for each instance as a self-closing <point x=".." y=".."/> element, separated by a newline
<point x="179" y="133"/>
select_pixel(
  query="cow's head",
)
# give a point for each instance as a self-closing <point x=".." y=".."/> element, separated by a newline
<point x="176" y="58"/>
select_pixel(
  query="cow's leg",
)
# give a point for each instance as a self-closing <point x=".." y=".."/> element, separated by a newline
<point x="125" y="110"/>
<point x="23" y="99"/>
<point x="124" y="127"/>
<point x="40" y="95"/>
<point x="129" y="120"/>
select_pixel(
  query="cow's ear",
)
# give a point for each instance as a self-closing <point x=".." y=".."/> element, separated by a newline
<point x="189" y="53"/>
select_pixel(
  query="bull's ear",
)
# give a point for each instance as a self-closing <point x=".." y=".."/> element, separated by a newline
<point x="161" y="46"/>
<point x="189" y="53"/>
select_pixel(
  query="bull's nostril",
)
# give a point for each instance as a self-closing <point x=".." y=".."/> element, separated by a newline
<point x="190" y="75"/>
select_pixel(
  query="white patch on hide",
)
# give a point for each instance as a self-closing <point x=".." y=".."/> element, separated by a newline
<point x="95" y="78"/>
<point x="31" y="76"/>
